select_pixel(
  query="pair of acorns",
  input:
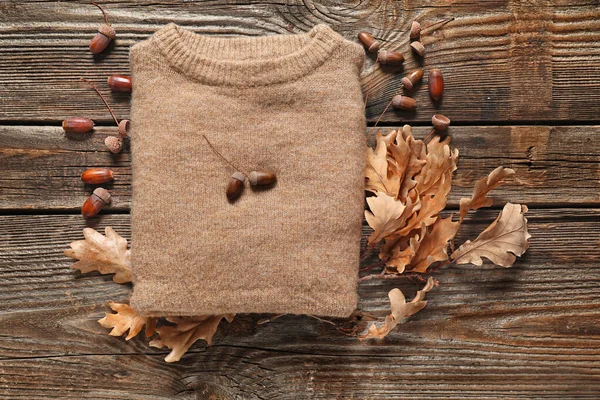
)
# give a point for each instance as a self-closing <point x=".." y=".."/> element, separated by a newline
<point x="235" y="187"/>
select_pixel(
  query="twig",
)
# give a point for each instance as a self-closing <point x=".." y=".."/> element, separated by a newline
<point x="367" y="251"/>
<point x="374" y="265"/>
<point x="323" y="320"/>
<point x="103" y="12"/>
<point x="226" y="160"/>
<point x="103" y="99"/>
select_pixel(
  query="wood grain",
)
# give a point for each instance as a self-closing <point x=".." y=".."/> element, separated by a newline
<point x="502" y="60"/>
<point x="487" y="332"/>
<point x="40" y="167"/>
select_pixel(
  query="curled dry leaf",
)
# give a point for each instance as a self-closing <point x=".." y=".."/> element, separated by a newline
<point x="125" y="320"/>
<point x="481" y="189"/>
<point x="387" y="215"/>
<point x="409" y="157"/>
<point x="440" y="163"/>
<point x="399" y="309"/>
<point x="106" y="254"/>
<point x="187" y="331"/>
<point x="378" y="173"/>
<point x="501" y="242"/>
<point x="433" y="246"/>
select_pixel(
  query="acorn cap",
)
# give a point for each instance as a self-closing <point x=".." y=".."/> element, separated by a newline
<point x="239" y="176"/>
<point x="253" y="178"/>
<point x="107" y="31"/>
<point x="415" y="30"/>
<point x="124" y="126"/>
<point x="114" y="144"/>
<point x="103" y="194"/>
<point x="408" y="85"/>
<point x="440" y="122"/>
<point x="418" y="48"/>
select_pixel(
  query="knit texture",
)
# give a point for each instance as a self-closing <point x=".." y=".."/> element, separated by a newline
<point x="291" y="104"/>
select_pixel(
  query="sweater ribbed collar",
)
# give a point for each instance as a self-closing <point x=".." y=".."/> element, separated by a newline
<point x="246" y="61"/>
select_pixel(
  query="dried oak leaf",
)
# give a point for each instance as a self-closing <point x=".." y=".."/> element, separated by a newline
<point x="399" y="309"/>
<point x="387" y="215"/>
<point x="433" y="245"/>
<point x="125" y="320"/>
<point x="401" y="255"/>
<point x="179" y="338"/>
<point x="440" y="161"/>
<point x="409" y="156"/>
<point x="378" y="171"/>
<point x="501" y="242"/>
<point x="481" y="189"/>
<point x="106" y="254"/>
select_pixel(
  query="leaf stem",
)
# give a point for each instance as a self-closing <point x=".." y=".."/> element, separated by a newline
<point x="103" y="99"/>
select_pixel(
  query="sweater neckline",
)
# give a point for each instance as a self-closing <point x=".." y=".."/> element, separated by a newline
<point x="246" y="61"/>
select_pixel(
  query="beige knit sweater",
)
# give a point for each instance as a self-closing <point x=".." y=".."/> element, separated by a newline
<point x="291" y="104"/>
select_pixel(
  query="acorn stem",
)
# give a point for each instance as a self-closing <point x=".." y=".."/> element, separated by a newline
<point x="384" y="111"/>
<point x="103" y="99"/>
<point x="224" y="159"/>
<point x="442" y="22"/>
<point x="103" y="12"/>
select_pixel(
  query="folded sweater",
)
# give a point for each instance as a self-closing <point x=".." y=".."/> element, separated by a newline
<point x="291" y="104"/>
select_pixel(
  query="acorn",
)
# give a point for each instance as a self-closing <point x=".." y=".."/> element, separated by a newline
<point x="410" y="80"/>
<point x="415" y="30"/>
<point x="77" y="125"/>
<point x="440" y="122"/>
<point x="97" y="176"/>
<point x="436" y="84"/>
<point x="386" y="57"/>
<point x="114" y="144"/>
<point x="105" y="34"/>
<point x="404" y="103"/>
<point x="418" y="48"/>
<point x="119" y="83"/>
<point x="261" y="178"/>
<point x="235" y="187"/>
<point x="92" y="206"/>
<point x="100" y="42"/>
<point x="370" y="43"/>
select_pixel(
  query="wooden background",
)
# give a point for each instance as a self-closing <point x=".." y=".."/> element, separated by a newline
<point x="522" y="90"/>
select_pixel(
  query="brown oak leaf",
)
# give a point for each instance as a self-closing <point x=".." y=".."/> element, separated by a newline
<point x="387" y="215"/>
<point x="379" y="173"/>
<point x="501" y="242"/>
<point x="409" y="155"/>
<point x="400" y="309"/>
<point x="125" y="320"/>
<point x="433" y="246"/>
<point x="187" y="331"/>
<point x="401" y="255"/>
<point x="481" y="189"/>
<point x="440" y="161"/>
<point x="106" y="254"/>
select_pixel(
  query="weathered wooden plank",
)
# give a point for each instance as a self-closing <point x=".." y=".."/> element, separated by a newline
<point x="40" y="167"/>
<point x="503" y="60"/>
<point x="526" y="332"/>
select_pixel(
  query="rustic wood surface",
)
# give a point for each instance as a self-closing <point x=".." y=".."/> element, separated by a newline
<point x="523" y="91"/>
